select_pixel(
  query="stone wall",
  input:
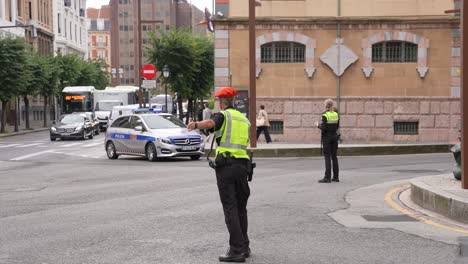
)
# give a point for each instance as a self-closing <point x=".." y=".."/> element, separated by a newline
<point x="367" y="119"/>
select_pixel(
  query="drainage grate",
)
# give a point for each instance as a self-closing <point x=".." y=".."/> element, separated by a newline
<point x="388" y="218"/>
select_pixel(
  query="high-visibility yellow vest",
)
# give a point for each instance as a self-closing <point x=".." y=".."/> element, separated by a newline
<point x="332" y="121"/>
<point x="234" y="134"/>
<point x="331" y="116"/>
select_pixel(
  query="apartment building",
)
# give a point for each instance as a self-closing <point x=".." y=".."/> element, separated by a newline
<point x="70" y="27"/>
<point x="99" y="45"/>
<point x="392" y="66"/>
<point x="8" y="17"/>
<point x="157" y="14"/>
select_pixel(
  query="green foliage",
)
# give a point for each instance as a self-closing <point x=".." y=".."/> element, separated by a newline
<point x="12" y="70"/>
<point x="190" y="61"/>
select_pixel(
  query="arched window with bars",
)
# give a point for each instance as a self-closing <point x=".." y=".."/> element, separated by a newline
<point x="283" y="52"/>
<point x="394" y="52"/>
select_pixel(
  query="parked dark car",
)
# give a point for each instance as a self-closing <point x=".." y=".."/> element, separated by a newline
<point x="76" y="126"/>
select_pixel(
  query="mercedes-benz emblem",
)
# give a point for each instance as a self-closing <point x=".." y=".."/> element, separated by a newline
<point x="187" y="141"/>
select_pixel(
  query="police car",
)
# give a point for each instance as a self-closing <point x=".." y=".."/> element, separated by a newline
<point x="152" y="135"/>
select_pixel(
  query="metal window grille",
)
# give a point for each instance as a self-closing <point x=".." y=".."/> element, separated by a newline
<point x="406" y="128"/>
<point x="394" y="51"/>
<point x="282" y="52"/>
<point x="276" y="127"/>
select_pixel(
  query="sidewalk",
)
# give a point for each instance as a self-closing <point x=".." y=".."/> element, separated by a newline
<point x="21" y="132"/>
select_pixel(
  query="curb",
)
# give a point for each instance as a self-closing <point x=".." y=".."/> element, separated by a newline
<point x="438" y="200"/>
<point x="353" y="150"/>
<point x="24" y="132"/>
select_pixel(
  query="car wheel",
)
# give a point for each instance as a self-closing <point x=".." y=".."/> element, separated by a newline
<point x="52" y="139"/>
<point x="91" y="136"/>
<point x="150" y="151"/>
<point x="96" y="132"/>
<point x="84" y="135"/>
<point x="195" y="157"/>
<point x="111" y="151"/>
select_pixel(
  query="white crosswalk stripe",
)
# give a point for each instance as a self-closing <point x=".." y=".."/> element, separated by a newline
<point x="46" y="144"/>
<point x="9" y="145"/>
<point x="29" y="145"/>
<point x="71" y="145"/>
<point x="93" y="144"/>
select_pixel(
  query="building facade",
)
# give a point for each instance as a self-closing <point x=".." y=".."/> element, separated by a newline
<point x="99" y="44"/>
<point x="70" y="27"/>
<point x="157" y="14"/>
<point x="8" y="17"/>
<point x="392" y="67"/>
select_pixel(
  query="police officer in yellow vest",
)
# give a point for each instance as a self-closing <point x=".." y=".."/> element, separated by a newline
<point x="232" y="135"/>
<point x="329" y="126"/>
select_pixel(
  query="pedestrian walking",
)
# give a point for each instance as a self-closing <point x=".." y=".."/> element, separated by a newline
<point x="232" y="169"/>
<point x="263" y="124"/>
<point x="329" y="125"/>
<point x="206" y="115"/>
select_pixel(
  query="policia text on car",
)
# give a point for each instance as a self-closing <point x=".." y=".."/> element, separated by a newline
<point x="233" y="166"/>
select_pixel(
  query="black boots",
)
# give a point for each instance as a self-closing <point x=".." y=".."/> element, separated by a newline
<point x="327" y="180"/>
<point x="232" y="256"/>
<point x="324" y="180"/>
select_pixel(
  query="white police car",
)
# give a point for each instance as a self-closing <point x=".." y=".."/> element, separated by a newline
<point x="152" y="135"/>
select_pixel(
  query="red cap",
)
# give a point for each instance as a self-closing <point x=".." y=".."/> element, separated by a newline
<point x="226" y="92"/>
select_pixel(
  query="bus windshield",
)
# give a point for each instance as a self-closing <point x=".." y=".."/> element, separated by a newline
<point x="77" y="102"/>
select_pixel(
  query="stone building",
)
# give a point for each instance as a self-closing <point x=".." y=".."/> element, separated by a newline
<point x="393" y="67"/>
<point x="70" y="27"/>
<point x="99" y="46"/>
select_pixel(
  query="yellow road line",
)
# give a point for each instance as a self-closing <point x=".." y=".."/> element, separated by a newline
<point x="389" y="200"/>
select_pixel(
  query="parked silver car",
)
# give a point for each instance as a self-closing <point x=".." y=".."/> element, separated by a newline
<point x="152" y="135"/>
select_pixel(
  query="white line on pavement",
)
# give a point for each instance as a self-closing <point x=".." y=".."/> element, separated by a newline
<point x="29" y="145"/>
<point x="10" y="145"/>
<point x="92" y="144"/>
<point x="32" y="155"/>
<point x="70" y="145"/>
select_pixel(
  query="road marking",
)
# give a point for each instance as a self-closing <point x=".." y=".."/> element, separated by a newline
<point x="29" y="145"/>
<point x="10" y="145"/>
<point x="32" y="155"/>
<point x="389" y="200"/>
<point x="92" y="144"/>
<point x="70" y="145"/>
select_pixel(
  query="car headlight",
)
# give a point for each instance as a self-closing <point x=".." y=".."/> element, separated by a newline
<point x="165" y="140"/>
<point x="79" y="128"/>
<point x="53" y="129"/>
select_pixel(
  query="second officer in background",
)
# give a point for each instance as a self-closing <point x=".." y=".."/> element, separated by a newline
<point x="329" y="126"/>
<point x="232" y="136"/>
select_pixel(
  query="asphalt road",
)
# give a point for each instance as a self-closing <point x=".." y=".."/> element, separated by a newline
<point x="65" y="202"/>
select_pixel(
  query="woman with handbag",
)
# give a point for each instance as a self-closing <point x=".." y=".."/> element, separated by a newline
<point x="263" y="124"/>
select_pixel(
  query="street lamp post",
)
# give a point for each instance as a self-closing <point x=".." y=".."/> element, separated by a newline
<point x="166" y="75"/>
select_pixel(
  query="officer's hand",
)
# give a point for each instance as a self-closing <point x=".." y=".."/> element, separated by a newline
<point x="191" y="126"/>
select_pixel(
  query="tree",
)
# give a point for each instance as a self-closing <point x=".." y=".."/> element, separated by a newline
<point x="33" y="73"/>
<point x="12" y="72"/>
<point x="50" y="85"/>
<point x="174" y="49"/>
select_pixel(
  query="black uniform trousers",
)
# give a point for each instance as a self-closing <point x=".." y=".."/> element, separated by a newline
<point x="330" y="147"/>
<point x="234" y="192"/>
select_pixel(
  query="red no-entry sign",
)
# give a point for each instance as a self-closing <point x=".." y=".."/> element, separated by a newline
<point x="148" y="71"/>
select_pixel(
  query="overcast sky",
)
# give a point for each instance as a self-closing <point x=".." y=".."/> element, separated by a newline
<point x="201" y="4"/>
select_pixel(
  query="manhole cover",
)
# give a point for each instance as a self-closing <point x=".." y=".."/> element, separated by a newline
<point x="388" y="218"/>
